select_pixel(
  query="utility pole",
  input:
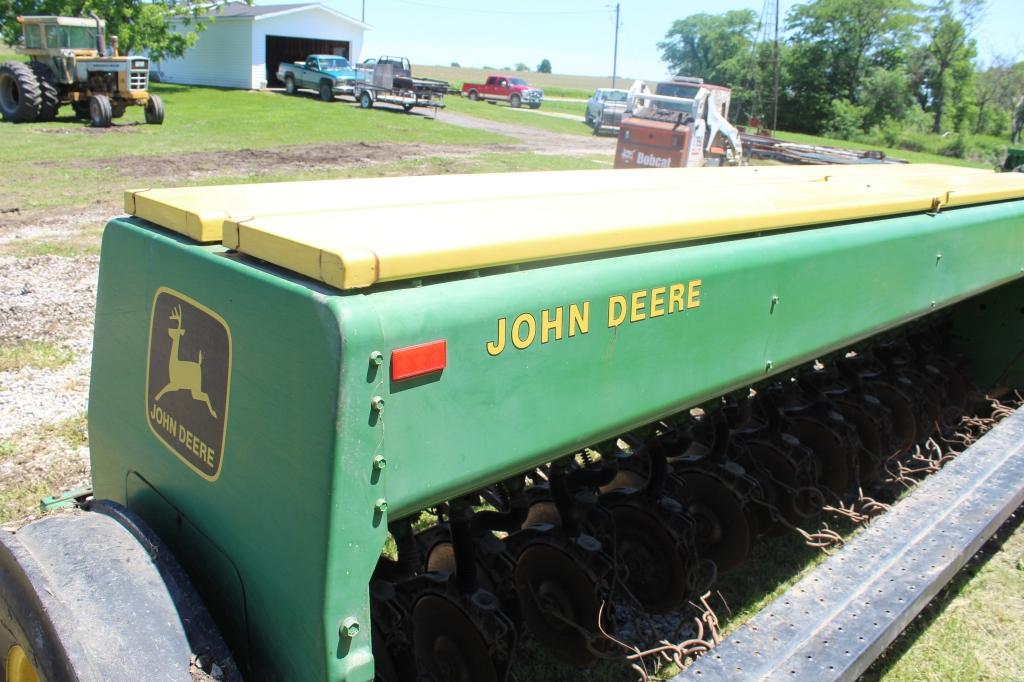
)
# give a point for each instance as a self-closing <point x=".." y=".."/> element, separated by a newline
<point x="364" y="12"/>
<point x="774" y="92"/>
<point x="615" y="57"/>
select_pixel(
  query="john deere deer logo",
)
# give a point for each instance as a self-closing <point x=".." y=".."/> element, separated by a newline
<point x="188" y="380"/>
<point x="184" y="374"/>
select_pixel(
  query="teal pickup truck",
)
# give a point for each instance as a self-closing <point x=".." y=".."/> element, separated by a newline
<point x="328" y="74"/>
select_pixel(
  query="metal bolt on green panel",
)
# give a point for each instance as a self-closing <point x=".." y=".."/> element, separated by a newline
<point x="349" y="627"/>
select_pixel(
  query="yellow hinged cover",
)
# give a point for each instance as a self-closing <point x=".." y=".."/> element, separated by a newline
<point x="388" y="229"/>
<point x="200" y="212"/>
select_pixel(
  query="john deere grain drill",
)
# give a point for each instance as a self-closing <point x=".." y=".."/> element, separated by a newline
<point x="71" y="64"/>
<point x="381" y="438"/>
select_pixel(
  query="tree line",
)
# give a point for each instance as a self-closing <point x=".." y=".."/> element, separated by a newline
<point x="895" y="71"/>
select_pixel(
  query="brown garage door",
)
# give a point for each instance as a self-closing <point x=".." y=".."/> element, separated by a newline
<point x="288" y="49"/>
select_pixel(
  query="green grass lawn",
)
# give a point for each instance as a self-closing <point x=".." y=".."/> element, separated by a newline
<point x="210" y="119"/>
<point x="574" y="108"/>
<point x="502" y="113"/>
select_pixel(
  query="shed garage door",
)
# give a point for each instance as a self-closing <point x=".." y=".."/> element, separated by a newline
<point x="289" y="49"/>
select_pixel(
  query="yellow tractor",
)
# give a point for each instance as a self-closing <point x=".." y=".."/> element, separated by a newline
<point x="70" y="63"/>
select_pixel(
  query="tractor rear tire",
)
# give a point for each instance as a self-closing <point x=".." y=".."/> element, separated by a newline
<point x="155" y="110"/>
<point x="20" y="98"/>
<point x="100" y="111"/>
<point x="49" y="94"/>
<point x="82" y="599"/>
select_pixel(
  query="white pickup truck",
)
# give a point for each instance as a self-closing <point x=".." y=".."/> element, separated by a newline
<point x="327" y="74"/>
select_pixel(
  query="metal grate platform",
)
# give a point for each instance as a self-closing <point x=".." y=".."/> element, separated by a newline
<point x="839" y="618"/>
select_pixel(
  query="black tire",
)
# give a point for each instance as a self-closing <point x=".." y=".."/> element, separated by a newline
<point x="117" y="109"/>
<point x="326" y="91"/>
<point x="407" y="108"/>
<point x="100" y="111"/>
<point x="289" y="85"/>
<point x="49" y="94"/>
<point x="473" y="96"/>
<point x="72" y="588"/>
<point x="515" y="101"/>
<point x="20" y="98"/>
<point x="365" y="100"/>
<point x="155" y="110"/>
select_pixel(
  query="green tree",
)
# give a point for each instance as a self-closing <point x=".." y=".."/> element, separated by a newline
<point x="1000" y="98"/>
<point x="138" y="24"/>
<point x="544" y="66"/>
<point x="715" y="47"/>
<point x="886" y="95"/>
<point x="520" y="66"/>
<point x="837" y="43"/>
<point x="949" y="54"/>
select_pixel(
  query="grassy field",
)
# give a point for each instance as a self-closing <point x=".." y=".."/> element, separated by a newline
<point x="574" y="108"/>
<point x="210" y="119"/>
<point x="553" y="84"/>
<point x="502" y="113"/>
<point x="36" y="171"/>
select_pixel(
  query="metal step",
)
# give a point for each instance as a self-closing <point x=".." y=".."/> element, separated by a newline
<point x="840" y="617"/>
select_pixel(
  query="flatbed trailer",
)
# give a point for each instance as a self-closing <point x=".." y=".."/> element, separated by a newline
<point x="392" y="83"/>
<point x="277" y="395"/>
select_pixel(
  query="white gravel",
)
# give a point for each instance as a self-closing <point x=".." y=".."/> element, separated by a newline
<point x="51" y="299"/>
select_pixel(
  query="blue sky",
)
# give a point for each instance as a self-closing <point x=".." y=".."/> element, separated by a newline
<point x="579" y="39"/>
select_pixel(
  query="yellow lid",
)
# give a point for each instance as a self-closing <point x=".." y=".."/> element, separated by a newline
<point x="360" y="247"/>
<point x="200" y="212"/>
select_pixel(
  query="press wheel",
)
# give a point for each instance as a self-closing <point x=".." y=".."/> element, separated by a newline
<point x="904" y="424"/>
<point x="834" y="470"/>
<point x="655" y="574"/>
<point x="553" y="589"/>
<point x="778" y="480"/>
<point x="447" y="643"/>
<point x="724" y="533"/>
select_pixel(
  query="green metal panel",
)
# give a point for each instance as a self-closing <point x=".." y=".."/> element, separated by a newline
<point x="989" y="330"/>
<point x="279" y="515"/>
<point x="486" y="416"/>
<point x="294" y="520"/>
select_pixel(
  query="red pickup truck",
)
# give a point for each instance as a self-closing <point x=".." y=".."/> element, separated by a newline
<point x="515" y="91"/>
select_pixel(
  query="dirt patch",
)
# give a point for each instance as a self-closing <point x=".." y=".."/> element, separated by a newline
<point x="87" y="129"/>
<point x="535" y="139"/>
<point x="257" y="162"/>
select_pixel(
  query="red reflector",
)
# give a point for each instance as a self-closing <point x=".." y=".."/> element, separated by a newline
<point x="414" y="361"/>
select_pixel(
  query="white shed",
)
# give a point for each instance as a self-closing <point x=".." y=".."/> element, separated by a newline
<point x="243" y="44"/>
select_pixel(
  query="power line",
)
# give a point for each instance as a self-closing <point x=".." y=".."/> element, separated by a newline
<point x="490" y="11"/>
